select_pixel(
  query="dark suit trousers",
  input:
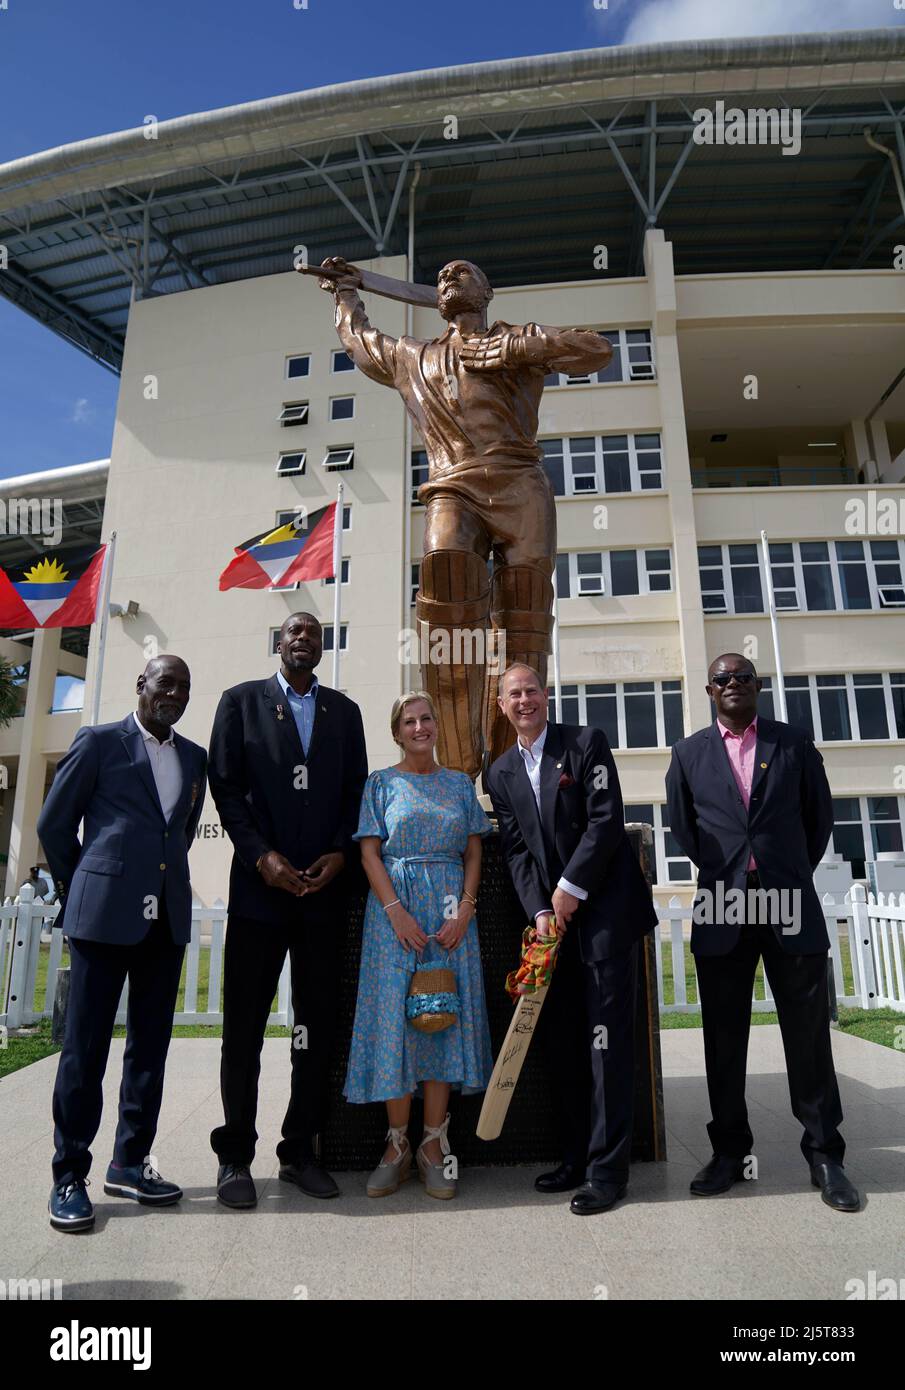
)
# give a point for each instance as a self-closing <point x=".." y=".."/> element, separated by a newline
<point x="802" y="1005"/>
<point x="587" y="1025"/>
<point x="255" y="953"/>
<point x="98" y="973"/>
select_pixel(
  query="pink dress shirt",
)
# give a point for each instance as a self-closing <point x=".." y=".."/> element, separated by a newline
<point x="740" y="750"/>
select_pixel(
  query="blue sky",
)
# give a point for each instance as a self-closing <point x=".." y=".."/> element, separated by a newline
<point x="69" y="71"/>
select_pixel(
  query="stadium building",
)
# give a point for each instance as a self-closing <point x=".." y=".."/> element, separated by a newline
<point x="729" y="214"/>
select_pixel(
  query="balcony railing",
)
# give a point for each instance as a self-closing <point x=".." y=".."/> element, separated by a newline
<point x="761" y="475"/>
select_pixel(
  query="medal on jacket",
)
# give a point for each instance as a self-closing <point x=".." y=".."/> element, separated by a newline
<point x="279" y="711"/>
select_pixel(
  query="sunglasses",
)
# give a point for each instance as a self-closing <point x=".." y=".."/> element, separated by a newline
<point x="724" y="677"/>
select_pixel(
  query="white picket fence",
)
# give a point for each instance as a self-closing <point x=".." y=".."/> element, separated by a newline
<point x="875" y="928"/>
<point x="22" y="922"/>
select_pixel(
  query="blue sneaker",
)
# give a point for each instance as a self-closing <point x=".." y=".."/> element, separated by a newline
<point x="70" y="1206"/>
<point x="142" y="1184"/>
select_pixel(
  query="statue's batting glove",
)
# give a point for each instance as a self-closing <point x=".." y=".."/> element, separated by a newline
<point x="495" y="351"/>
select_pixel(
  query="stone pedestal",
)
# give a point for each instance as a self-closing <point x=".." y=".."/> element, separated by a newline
<point x="354" y="1135"/>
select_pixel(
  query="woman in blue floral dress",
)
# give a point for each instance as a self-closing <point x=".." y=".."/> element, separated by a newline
<point x="420" y="831"/>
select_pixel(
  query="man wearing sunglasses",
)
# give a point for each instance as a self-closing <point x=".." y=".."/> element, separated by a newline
<point x="750" y="804"/>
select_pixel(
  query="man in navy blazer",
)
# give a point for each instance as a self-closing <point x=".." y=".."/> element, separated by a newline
<point x="750" y="804"/>
<point x="287" y="770"/>
<point x="126" y="908"/>
<point x="559" y="808"/>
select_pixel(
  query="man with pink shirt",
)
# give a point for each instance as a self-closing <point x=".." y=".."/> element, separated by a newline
<point x="750" y="804"/>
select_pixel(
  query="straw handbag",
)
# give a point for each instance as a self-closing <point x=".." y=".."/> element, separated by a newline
<point x="433" y="1001"/>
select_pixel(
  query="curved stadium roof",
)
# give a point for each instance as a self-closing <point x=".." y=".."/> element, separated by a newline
<point x="553" y="155"/>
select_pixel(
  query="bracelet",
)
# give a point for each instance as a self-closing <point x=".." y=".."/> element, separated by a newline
<point x="473" y="901"/>
<point x="387" y="906"/>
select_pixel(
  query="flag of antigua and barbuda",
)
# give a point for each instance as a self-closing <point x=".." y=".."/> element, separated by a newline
<point x="58" y="592"/>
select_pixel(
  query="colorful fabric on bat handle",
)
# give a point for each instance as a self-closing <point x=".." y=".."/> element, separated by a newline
<point x="538" y="960"/>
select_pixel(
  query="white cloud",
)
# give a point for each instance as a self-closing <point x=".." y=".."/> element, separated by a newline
<point x="664" y="21"/>
<point x="82" y="412"/>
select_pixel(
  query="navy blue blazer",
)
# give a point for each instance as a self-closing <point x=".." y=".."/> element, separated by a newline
<point x="271" y="796"/>
<point x="129" y="853"/>
<point x="579" y="835"/>
<point x="786" y="826"/>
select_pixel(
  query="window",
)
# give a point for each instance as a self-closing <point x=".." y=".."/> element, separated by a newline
<point x="331" y="579"/>
<point x="670" y="864"/>
<point x="416" y="583"/>
<point x="419" y="472"/>
<point x="294" y="413"/>
<point x="341" y="361"/>
<point x="298" y="366"/>
<point x="847" y="707"/>
<point x="339" y="460"/>
<point x="347" y="518"/>
<point x="297" y="516"/>
<point x="713" y="585"/>
<point x="595" y="464"/>
<point x="632" y="714"/>
<point x="343" y="637"/>
<point x="342" y="407"/>
<point x="615" y="572"/>
<point x="871" y="823"/>
<point x="808" y="576"/>
<point x="632" y="360"/>
<point x="291" y="465"/>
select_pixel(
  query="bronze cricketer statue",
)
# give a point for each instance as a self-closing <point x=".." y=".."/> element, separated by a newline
<point x="473" y="396"/>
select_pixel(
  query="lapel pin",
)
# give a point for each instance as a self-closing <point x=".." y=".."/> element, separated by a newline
<point x="323" y="709"/>
<point x="558" y="766"/>
<point x="763" y="764"/>
<point x="279" y="711"/>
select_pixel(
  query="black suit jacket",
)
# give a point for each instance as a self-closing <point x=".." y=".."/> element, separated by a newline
<point x="271" y="796"/>
<point x="128" y="854"/>
<point x="578" y="835"/>
<point x="787" y="827"/>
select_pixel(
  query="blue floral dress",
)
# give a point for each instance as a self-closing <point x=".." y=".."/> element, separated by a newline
<point x="424" y="820"/>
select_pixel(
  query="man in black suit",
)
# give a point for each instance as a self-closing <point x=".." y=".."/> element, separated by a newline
<point x="136" y="787"/>
<point x="287" y="769"/>
<point x="557" y="800"/>
<point x="750" y="804"/>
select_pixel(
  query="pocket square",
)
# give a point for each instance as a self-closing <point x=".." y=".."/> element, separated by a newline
<point x="566" y="781"/>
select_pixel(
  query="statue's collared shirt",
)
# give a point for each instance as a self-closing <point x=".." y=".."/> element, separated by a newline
<point x="303" y="707"/>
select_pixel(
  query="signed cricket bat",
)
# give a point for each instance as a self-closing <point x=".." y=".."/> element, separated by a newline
<point x="509" y="1064"/>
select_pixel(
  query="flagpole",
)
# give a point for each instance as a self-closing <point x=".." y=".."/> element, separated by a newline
<point x="779" y="694"/>
<point x="557" y="682"/>
<point x="106" y="582"/>
<point x="338" y="572"/>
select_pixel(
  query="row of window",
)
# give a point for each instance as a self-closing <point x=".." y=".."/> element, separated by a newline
<point x="632" y="714"/>
<point x="328" y="631"/>
<point x="300" y="365"/>
<point x="808" y="576"/>
<point x="842" y="708"/>
<point x="632" y="360"/>
<point x="297" y="412"/>
<point x="613" y="572"/>
<point x="335" y="460"/>
<point x="589" y="465"/>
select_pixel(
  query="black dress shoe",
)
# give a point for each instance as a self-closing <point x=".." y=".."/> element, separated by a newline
<point x="717" y="1176"/>
<point x="235" y="1187"/>
<point x="592" y="1197"/>
<point x="835" y="1188"/>
<point x="313" y="1180"/>
<point x="563" y="1179"/>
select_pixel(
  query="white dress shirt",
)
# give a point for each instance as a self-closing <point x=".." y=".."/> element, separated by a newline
<point x="166" y="767"/>
<point x="531" y="757"/>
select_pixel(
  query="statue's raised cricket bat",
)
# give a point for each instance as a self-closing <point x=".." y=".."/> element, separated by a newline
<point x="509" y="1064"/>
<point x="529" y="985"/>
<point x="423" y="295"/>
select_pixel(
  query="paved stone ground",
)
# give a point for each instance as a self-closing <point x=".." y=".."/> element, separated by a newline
<point x="772" y="1238"/>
